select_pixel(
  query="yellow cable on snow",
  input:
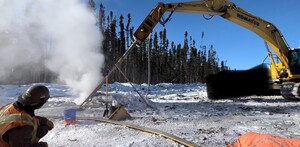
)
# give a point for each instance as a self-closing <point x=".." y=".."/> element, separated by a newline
<point x="144" y="129"/>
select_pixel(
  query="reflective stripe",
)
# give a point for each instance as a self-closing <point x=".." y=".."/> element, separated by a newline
<point x="5" y="108"/>
<point x="35" y="126"/>
<point x="17" y="117"/>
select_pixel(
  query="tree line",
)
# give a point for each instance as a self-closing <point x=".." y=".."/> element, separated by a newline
<point x="168" y="62"/>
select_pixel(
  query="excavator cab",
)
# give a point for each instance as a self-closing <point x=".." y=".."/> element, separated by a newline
<point x="294" y="58"/>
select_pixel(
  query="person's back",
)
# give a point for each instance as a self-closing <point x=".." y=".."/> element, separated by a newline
<point x="18" y="124"/>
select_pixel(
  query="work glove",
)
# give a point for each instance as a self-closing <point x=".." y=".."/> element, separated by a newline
<point x="43" y="144"/>
<point x="50" y="124"/>
<point x="46" y="122"/>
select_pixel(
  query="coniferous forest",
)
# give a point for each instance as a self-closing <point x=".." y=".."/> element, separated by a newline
<point x="168" y="61"/>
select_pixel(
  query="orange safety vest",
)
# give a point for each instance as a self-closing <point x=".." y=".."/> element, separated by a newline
<point x="10" y="118"/>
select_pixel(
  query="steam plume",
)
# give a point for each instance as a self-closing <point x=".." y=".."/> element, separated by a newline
<point x="59" y="34"/>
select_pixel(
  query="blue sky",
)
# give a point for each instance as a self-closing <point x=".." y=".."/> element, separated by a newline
<point x="239" y="47"/>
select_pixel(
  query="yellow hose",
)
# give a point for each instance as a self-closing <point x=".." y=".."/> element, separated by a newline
<point x="148" y="130"/>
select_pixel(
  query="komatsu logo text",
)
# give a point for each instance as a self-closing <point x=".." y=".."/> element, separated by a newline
<point x="248" y="19"/>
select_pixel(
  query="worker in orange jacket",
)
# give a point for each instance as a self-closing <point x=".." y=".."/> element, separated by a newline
<point x="18" y="124"/>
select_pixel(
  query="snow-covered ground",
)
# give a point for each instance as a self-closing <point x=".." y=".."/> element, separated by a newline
<point x="179" y="109"/>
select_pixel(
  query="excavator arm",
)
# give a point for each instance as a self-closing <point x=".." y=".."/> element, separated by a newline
<point x="227" y="10"/>
<point x="154" y="17"/>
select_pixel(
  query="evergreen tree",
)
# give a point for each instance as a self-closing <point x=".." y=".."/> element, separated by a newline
<point x="192" y="68"/>
<point x="127" y="30"/>
<point x="184" y="53"/>
<point x="91" y="5"/>
<point x="212" y="61"/>
<point x="122" y="36"/>
<point x="120" y="49"/>
<point x="101" y="18"/>
<point x="203" y="63"/>
<point x="178" y="64"/>
<point x="155" y="59"/>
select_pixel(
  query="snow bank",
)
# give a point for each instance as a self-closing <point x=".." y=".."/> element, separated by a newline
<point x="179" y="109"/>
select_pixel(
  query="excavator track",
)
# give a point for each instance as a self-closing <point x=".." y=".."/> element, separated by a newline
<point x="290" y="90"/>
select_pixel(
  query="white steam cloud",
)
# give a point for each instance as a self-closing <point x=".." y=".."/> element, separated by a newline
<point x="59" y="34"/>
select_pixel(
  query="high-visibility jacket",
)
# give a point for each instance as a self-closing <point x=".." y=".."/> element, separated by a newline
<point x="10" y="118"/>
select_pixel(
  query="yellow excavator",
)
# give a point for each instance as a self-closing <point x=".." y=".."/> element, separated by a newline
<point x="283" y="76"/>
